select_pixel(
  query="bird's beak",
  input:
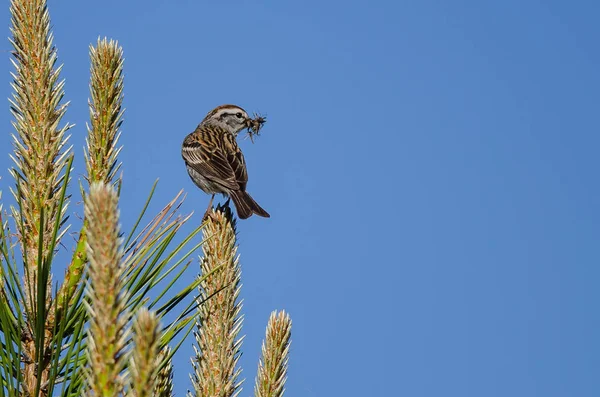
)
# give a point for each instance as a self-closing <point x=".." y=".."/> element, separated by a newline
<point x="249" y="122"/>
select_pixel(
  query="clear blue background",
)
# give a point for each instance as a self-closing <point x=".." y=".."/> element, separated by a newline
<point x="431" y="169"/>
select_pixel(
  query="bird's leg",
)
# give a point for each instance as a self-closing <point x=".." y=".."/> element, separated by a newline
<point x="227" y="202"/>
<point x="209" y="207"/>
<point x="210" y="202"/>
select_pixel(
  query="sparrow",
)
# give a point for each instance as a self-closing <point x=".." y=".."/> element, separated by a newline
<point x="215" y="162"/>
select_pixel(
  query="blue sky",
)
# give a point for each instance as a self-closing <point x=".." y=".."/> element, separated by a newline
<point x="430" y="169"/>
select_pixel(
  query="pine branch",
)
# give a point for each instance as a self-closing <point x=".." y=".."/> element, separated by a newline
<point x="107" y="334"/>
<point x="101" y="153"/>
<point x="106" y="112"/>
<point x="272" y="368"/>
<point x="145" y="360"/>
<point x="41" y="165"/>
<point x="219" y="319"/>
<point x="164" y="383"/>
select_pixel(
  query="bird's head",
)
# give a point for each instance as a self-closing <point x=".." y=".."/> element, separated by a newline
<point x="231" y="117"/>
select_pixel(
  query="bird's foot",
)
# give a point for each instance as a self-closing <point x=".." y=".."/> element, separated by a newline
<point x="209" y="209"/>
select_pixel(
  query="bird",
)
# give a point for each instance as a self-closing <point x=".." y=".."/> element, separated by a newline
<point x="214" y="161"/>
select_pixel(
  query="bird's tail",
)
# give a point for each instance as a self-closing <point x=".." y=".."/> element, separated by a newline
<point x="246" y="206"/>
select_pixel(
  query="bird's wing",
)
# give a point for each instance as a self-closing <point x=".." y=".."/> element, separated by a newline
<point x="213" y="152"/>
<point x="236" y="160"/>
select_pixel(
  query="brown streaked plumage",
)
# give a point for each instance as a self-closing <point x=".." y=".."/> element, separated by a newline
<point x="215" y="162"/>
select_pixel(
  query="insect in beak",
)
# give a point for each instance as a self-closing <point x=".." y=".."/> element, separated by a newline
<point x="254" y="126"/>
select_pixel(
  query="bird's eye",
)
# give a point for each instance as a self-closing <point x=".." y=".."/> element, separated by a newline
<point x="239" y="115"/>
